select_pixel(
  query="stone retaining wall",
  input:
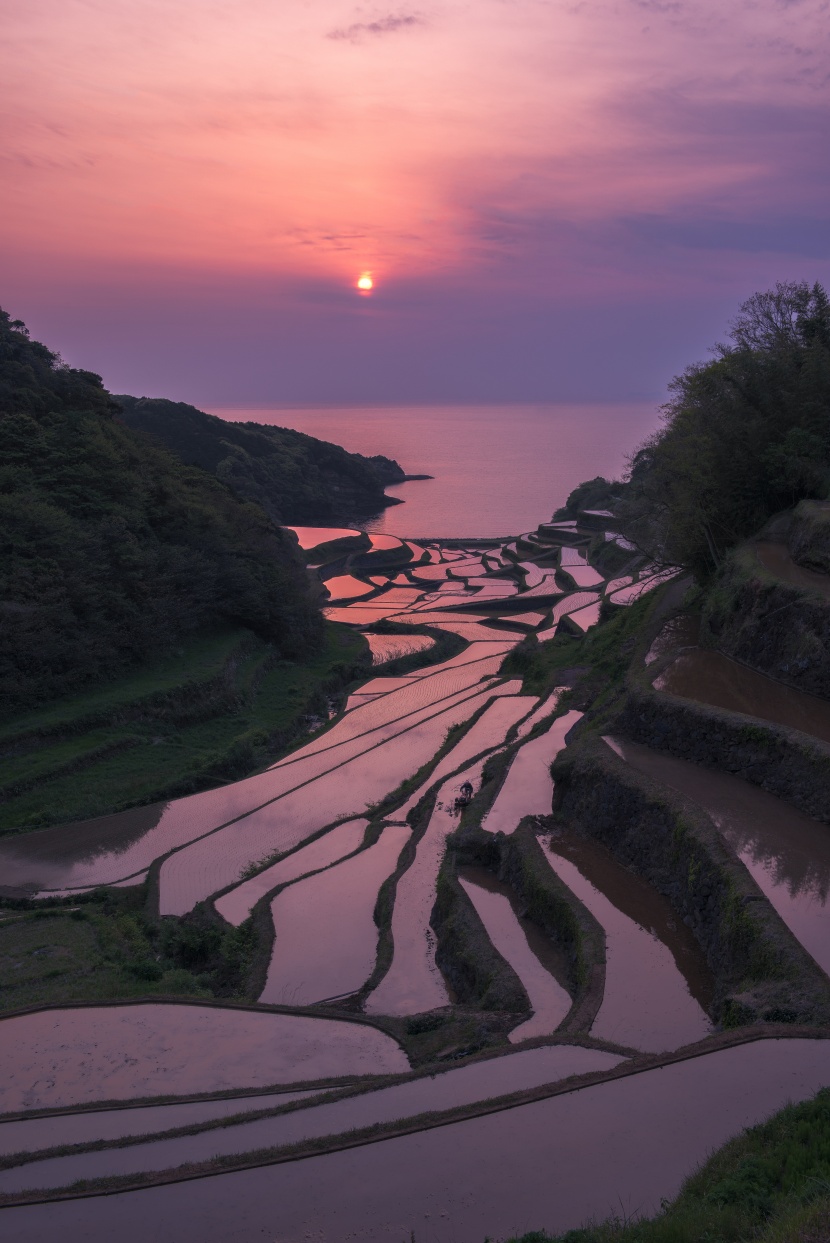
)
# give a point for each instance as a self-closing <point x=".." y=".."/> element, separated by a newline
<point x="761" y="972"/>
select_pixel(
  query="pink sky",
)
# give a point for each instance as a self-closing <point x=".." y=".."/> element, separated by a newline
<point x="556" y="200"/>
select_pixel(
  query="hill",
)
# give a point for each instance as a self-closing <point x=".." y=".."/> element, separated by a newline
<point x="113" y="550"/>
<point x="294" y="477"/>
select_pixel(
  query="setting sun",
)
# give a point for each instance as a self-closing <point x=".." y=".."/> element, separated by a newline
<point x="365" y="283"/>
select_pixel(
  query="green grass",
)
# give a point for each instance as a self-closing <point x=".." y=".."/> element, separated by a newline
<point x="770" y="1184"/>
<point x="606" y="651"/>
<point x="202" y="658"/>
<point x="146" y="752"/>
<point x="104" y="946"/>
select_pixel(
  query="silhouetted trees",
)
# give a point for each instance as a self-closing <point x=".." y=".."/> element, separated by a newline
<point x="744" y="435"/>
<point x="111" y="550"/>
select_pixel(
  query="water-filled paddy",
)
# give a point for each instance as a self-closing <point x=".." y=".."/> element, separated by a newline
<point x="712" y="678"/>
<point x="776" y="558"/>
<point x="448" y="1090"/>
<point x="656" y="980"/>
<point x="525" y="947"/>
<point x="116" y="1052"/>
<point x="589" y="1153"/>
<point x="313" y="537"/>
<point x="236" y="905"/>
<point x="413" y="981"/>
<point x="386" y="647"/>
<point x="347" y="587"/>
<point x="787" y="853"/>
<point x="527" y="790"/>
<point x="54" y="1130"/>
<point x="213" y="862"/>
<point x="325" y="936"/>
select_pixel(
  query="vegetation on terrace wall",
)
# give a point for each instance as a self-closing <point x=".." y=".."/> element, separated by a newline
<point x="112" y="550"/>
<point x="294" y="477"/>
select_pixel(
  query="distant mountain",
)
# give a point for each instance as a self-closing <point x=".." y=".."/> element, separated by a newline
<point x="112" y="549"/>
<point x="294" y="477"/>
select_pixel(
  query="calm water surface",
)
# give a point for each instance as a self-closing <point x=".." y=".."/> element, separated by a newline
<point x="498" y="470"/>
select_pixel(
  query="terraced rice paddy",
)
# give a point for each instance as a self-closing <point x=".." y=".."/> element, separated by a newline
<point x="339" y="844"/>
<point x="451" y="1089"/>
<point x="531" y="955"/>
<point x="236" y="905"/>
<point x="387" y="647"/>
<point x="712" y="678"/>
<point x="347" y="587"/>
<point x="786" y="852"/>
<point x="315" y="537"/>
<point x="656" y="982"/>
<point x="109" y="1053"/>
<point x="564" y="1159"/>
<point x="325" y="936"/>
<point x="527" y="789"/>
<point x="413" y="982"/>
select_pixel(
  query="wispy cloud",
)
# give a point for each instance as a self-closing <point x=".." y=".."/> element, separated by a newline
<point x="389" y="25"/>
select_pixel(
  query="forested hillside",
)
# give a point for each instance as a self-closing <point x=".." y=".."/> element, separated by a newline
<point x="294" y="477"/>
<point x="112" y="549"/>
<point x="745" y="435"/>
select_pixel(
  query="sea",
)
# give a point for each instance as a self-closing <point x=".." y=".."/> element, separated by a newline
<point x="498" y="470"/>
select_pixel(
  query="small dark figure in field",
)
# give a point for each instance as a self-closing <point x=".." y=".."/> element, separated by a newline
<point x="465" y="795"/>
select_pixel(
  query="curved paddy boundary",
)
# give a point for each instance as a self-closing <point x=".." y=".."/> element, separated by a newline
<point x="759" y="967"/>
<point x="786" y="762"/>
<point x="518" y="862"/>
<point x="381" y="814"/>
<point x="418" y="818"/>
<point x="439" y="706"/>
<point x="381" y="1132"/>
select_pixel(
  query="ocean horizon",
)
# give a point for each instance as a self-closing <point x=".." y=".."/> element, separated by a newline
<point x="497" y="470"/>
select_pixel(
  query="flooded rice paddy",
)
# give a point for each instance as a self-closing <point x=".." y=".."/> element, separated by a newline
<point x="712" y="678"/>
<point x="236" y="905"/>
<point x="539" y="966"/>
<point x="552" y="1164"/>
<point x="118" y="1052"/>
<point x="447" y="1090"/>
<point x="325" y="937"/>
<point x="347" y="587"/>
<point x="776" y="558"/>
<point x="294" y="836"/>
<point x="55" y="1130"/>
<point x="527" y="790"/>
<point x="386" y="647"/>
<point x="413" y="982"/>
<point x="786" y="852"/>
<point x="657" y="985"/>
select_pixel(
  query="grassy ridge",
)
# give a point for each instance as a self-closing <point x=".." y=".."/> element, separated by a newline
<point x="770" y="1184"/>
<point x="217" y="710"/>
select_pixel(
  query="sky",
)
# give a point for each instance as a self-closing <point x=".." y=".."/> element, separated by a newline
<point x="556" y="200"/>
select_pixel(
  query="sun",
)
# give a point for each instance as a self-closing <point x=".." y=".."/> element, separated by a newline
<point x="365" y="283"/>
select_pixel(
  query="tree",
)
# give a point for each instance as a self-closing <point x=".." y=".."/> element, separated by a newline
<point x="744" y="436"/>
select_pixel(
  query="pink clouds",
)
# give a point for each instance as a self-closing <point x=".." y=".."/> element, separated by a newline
<point x="527" y="150"/>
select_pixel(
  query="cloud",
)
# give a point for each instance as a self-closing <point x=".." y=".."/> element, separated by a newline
<point x="388" y="25"/>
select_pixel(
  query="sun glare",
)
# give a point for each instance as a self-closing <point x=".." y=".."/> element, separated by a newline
<point x="365" y="283"/>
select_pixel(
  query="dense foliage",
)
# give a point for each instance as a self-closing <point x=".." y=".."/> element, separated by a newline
<point x="296" y="478"/>
<point x="745" y="435"/>
<point x="111" y="548"/>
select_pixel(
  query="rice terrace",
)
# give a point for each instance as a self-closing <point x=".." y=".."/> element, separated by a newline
<point x="415" y="622"/>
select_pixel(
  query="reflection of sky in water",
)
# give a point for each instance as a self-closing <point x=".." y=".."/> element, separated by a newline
<point x="800" y="874"/>
<point x="786" y="851"/>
